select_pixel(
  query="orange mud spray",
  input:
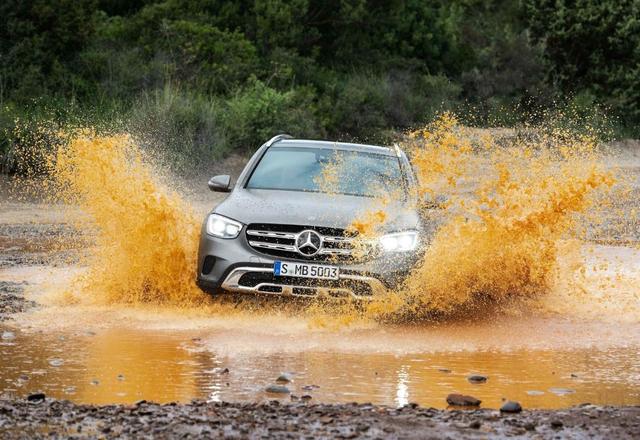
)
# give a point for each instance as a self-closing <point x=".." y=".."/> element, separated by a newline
<point x="145" y="236"/>
<point x="505" y="210"/>
<point x="508" y="211"/>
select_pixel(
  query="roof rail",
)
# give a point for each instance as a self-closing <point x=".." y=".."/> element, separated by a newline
<point x="277" y="138"/>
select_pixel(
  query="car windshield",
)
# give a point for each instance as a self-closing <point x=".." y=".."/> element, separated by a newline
<point x="328" y="170"/>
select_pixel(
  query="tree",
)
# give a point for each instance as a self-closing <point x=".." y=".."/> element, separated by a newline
<point x="39" y="42"/>
<point x="592" y="46"/>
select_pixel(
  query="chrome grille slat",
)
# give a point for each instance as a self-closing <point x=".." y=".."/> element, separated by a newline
<point x="275" y="246"/>
<point x="335" y="251"/>
<point x="273" y="234"/>
<point x="337" y="239"/>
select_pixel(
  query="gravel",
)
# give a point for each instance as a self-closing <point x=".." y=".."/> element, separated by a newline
<point x="62" y="419"/>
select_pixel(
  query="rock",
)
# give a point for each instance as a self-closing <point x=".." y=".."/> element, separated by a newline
<point x="556" y="424"/>
<point x="476" y="378"/>
<point x="284" y="378"/>
<point x="511" y="407"/>
<point x="306" y="397"/>
<point x="95" y="382"/>
<point x="225" y="371"/>
<point x="530" y="426"/>
<point x="462" y="400"/>
<point x="36" y="397"/>
<point x="561" y="391"/>
<point x="535" y="393"/>
<point x="444" y="370"/>
<point x="8" y="336"/>
<point x="23" y="377"/>
<point x="310" y="387"/>
<point x="121" y="377"/>
<point x="475" y="424"/>
<point x="56" y="362"/>
<point x="277" y="389"/>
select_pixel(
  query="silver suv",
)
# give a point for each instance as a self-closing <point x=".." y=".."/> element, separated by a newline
<point x="282" y="232"/>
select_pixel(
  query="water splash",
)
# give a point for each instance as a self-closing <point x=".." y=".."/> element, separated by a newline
<point x="507" y="209"/>
<point x="144" y="235"/>
<point x="503" y="211"/>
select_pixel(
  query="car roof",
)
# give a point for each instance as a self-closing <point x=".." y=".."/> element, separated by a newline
<point x="305" y="143"/>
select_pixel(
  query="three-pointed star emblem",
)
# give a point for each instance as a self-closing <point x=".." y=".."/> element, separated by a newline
<point x="308" y="243"/>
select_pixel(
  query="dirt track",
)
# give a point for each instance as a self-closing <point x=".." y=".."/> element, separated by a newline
<point x="61" y="419"/>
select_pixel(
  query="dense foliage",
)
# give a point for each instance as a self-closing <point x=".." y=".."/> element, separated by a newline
<point x="207" y="76"/>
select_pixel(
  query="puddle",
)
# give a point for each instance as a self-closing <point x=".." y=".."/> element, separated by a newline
<point x="125" y="365"/>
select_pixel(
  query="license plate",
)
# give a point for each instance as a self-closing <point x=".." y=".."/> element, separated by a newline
<point x="304" y="270"/>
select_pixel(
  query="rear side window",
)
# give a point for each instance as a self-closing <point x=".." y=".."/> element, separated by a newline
<point x="327" y="170"/>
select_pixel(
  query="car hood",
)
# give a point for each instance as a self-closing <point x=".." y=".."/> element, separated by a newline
<point x="311" y="209"/>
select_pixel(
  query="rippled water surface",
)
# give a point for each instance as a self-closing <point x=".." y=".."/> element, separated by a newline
<point x="125" y="365"/>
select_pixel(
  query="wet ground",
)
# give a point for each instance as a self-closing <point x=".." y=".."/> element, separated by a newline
<point x="272" y="420"/>
<point x="572" y="354"/>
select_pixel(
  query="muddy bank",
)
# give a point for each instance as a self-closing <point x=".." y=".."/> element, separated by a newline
<point x="62" y="419"/>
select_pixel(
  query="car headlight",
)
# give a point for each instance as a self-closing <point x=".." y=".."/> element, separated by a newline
<point x="399" y="241"/>
<point x="223" y="227"/>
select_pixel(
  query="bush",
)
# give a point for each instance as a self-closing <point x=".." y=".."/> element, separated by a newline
<point x="355" y="107"/>
<point x="27" y="139"/>
<point x="367" y="107"/>
<point x="184" y="128"/>
<point x="257" y="112"/>
<point x="212" y="60"/>
<point x="592" y="46"/>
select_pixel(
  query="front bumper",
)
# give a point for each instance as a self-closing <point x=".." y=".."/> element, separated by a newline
<point x="234" y="266"/>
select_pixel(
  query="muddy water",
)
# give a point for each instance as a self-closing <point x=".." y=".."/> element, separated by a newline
<point x="126" y="365"/>
<point x="112" y="353"/>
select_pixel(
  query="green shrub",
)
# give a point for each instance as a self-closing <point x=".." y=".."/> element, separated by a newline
<point x="367" y="106"/>
<point x="355" y="107"/>
<point x="184" y="128"/>
<point x="214" y="61"/>
<point x="27" y="139"/>
<point x="257" y="112"/>
<point x="592" y="46"/>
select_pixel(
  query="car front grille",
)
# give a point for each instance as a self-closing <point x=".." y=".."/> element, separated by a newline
<point x="280" y="241"/>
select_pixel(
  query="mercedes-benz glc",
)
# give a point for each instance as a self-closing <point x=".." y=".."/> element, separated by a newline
<point x="287" y="225"/>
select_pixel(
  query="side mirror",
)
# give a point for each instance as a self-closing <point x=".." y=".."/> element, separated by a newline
<point x="220" y="183"/>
